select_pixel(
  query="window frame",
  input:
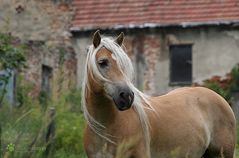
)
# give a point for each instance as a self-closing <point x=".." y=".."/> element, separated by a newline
<point x="180" y="83"/>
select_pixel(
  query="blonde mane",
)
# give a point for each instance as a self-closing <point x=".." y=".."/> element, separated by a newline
<point x="140" y="103"/>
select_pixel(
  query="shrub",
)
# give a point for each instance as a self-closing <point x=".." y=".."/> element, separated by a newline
<point x="70" y="125"/>
<point x="69" y="133"/>
<point x="224" y="86"/>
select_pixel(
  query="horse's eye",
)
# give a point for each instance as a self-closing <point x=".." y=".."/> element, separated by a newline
<point x="103" y="63"/>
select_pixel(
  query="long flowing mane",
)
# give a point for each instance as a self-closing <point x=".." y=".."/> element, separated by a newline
<point x="140" y="103"/>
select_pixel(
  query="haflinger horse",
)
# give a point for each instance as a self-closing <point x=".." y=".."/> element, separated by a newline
<point x="185" y="123"/>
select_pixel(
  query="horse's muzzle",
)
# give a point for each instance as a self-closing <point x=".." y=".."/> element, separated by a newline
<point x="123" y="98"/>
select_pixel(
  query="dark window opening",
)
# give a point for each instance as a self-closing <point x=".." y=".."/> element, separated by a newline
<point x="180" y="64"/>
<point x="46" y="83"/>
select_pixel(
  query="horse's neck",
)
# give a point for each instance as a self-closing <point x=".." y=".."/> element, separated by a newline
<point x="101" y="108"/>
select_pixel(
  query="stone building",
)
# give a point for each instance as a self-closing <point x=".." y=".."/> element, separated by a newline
<point x="171" y="42"/>
<point x="43" y="26"/>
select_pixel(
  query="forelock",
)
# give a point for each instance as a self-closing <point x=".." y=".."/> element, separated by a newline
<point x="119" y="54"/>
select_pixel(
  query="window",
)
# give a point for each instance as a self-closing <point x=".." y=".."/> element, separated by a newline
<point x="46" y="81"/>
<point x="181" y="64"/>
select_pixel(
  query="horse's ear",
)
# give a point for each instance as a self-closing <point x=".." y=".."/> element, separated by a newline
<point x="96" y="39"/>
<point x="120" y="39"/>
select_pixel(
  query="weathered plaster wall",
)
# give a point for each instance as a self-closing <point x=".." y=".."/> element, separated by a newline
<point x="80" y="47"/>
<point x="215" y="52"/>
<point x="45" y="20"/>
<point x="61" y="59"/>
<point x="44" y="27"/>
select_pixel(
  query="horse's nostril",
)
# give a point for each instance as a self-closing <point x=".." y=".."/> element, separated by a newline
<point x="122" y="103"/>
<point x="122" y="94"/>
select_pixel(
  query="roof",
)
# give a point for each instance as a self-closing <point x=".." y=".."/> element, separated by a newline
<point x="107" y="14"/>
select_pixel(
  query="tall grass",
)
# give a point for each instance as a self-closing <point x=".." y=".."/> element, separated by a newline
<point x="24" y="128"/>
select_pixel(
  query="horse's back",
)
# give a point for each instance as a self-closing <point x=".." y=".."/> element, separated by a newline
<point x="207" y="101"/>
<point x="193" y="121"/>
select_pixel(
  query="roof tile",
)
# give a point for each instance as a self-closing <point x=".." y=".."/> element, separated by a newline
<point x="102" y="14"/>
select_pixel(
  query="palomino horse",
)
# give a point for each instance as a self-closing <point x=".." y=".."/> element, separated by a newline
<point x="187" y="122"/>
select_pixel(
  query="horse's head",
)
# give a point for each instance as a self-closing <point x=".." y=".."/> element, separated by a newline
<point x="112" y="69"/>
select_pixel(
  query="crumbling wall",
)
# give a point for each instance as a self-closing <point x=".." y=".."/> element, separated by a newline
<point x="151" y="53"/>
<point x="214" y="52"/>
<point x="60" y="59"/>
<point x="44" y="27"/>
<point x="144" y="52"/>
<point x="46" y="20"/>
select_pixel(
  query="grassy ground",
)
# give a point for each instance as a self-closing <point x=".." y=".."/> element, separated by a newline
<point x="26" y="137"/>
<point x="25" y="129"/>
<point x="237" y="152"/>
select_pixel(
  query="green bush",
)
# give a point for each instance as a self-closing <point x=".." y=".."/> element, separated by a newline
<point x="69" y="134"/>
<point x="73" y="99"/>
<point x="225" y="86"/>
<point x="69" y="126"/>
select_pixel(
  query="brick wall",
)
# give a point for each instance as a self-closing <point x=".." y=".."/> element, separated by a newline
<point x="45" y="20"/>
<point x="44" y="27"/>
<point x="60" y="59"/>
<point x="144" y="52"/>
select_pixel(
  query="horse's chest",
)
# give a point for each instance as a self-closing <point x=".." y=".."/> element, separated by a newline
<point x="101" y="154"/>
<point x="99" y="148"/>
<point x="104" y="152"/>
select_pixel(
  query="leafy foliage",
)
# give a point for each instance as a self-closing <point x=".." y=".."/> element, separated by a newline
<point x="225" y="86"/>
<point x="11" y="58"/>
<point x="11" y="54"/>
<point x="70" y="133"/>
